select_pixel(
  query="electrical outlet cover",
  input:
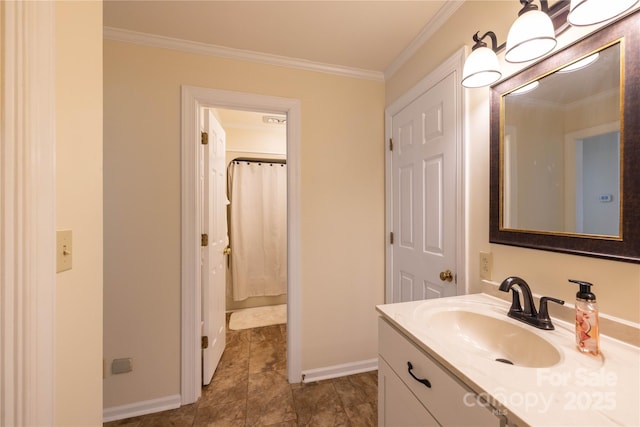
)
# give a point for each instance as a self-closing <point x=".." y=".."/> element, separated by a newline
<point x="485" y="265"/>
<point x="121" y="366"/>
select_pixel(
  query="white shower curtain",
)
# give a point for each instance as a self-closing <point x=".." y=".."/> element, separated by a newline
<point x="258" y="229"/>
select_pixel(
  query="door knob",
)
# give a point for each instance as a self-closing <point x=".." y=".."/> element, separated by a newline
<point x="446" y="275"/>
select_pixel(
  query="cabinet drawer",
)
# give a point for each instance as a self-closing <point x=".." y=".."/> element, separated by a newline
<point x="447" y="399"/>
<point x="397" y="406"/>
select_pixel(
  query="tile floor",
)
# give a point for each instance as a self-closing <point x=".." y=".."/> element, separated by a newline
<point x="250" y="388"/>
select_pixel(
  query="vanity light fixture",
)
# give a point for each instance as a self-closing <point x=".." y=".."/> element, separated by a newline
<point x="274" y="120"/>
<point x="589" y="12"/>
<point x="578" y="65"/>
<point x="526" y="88"/>
<point x="481" y="67"/>
<point x="532" y="35"/>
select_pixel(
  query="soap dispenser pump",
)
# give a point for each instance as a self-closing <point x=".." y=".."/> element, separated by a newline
<point x="587" y="327"/>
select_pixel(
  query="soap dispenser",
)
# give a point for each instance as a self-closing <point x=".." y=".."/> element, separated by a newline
<point x="587" y="328"/>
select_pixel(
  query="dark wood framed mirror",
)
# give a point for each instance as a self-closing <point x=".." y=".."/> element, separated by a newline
<point x="565" y="157"/>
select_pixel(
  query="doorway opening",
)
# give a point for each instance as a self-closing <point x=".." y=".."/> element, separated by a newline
<point x="256" y="189"/>
<point x="194" y="99"/>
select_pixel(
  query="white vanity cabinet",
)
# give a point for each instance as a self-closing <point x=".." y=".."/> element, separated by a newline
<point x="404" y="401"/>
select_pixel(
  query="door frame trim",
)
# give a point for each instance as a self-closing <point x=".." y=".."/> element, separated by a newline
<point x="28" y="214"/>
<point x="453" y="65"/>
<point x="192" y="99"/>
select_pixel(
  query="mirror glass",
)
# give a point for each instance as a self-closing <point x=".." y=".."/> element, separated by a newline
<point x="561" y="149"/>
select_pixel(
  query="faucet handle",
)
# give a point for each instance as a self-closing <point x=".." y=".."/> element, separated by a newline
<point x="543" y="314"/>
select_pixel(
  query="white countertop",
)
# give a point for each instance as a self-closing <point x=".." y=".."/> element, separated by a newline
<point x="580" y="390"/>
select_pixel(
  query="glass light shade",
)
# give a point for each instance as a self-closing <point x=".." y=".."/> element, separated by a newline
<point x="526" y="88"/>
<point x="481" y="68"/>
<point x="589" y="12"/>
<point x="579" y="65"/>
<point x="531" y="36"/>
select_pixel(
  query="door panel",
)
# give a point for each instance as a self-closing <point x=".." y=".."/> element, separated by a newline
<point x="433" y="290"/>
<point x="213" y="257"/>
<point x="433" y="203"/>
<point x="406" y="287"/>
<point x="406" y="192"/>
<point x="424" y="195"/>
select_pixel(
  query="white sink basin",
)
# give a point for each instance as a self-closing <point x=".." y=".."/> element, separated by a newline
<point x="493" y="338"/>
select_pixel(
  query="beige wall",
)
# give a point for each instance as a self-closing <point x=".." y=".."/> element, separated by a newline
<point x="78" y="56"/>
<point x="602" y="112"/>
<point x="342" y="187"/>
<point x="241" y="140"/>
<point x="617" y="283"/>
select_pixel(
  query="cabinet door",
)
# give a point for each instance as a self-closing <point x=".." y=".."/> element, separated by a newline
<point x="397" y="406"/>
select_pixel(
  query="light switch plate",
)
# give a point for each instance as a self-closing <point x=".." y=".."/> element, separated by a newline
<point x="485" y="265"/>
<point x="63" y="250"/>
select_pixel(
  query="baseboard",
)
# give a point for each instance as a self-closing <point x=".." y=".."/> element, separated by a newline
<point x="141" y="408"/>
<point x="337" y="371"/>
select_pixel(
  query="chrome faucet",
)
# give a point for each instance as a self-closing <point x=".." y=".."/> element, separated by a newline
<point x="528" y="314"/>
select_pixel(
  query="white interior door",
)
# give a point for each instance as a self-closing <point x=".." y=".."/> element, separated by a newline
<point x="423" y="186"/>
<point x="214" y="225"/>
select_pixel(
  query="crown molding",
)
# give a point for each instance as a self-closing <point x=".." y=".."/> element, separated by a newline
<point x="153" y="40"/>
<point x="432" y="26"/>
<point x="128" y="36"/>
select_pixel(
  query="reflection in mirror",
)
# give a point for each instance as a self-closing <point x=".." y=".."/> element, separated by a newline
<point x="561" y="149"/>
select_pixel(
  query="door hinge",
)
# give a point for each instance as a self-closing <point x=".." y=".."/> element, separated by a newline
<point x="205" y="342"/>
<point x="204" y="138"/>
<point x="204" y="240"/>
<point x="391" y="238"/>
<point x="390" y="144"/>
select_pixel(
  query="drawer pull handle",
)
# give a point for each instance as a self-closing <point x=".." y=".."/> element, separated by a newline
<point x="423" y="381"/>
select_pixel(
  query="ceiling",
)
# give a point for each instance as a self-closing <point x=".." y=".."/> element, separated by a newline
<point x="365" y="35"/>
<point x="250" y="120"/>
